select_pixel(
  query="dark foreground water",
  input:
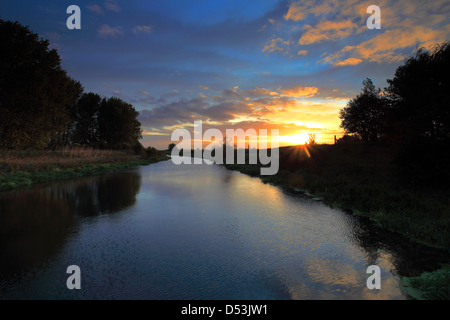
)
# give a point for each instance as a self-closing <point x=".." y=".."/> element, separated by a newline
<point x="192" y="232"/>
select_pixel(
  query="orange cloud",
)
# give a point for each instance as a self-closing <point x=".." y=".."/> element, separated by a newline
<point x="299" y="10"/>
<point x="328" y="30"/>
<point x="382" y="47"/>
<point x="254" y="108"/>
<point x="276" y="45"/>
<point x="406" y="25"/>
<point x="296" y="12"/>
<point x="301" y="91"/>
<point x="386" y="47"/>
<point x="349" y="62"/>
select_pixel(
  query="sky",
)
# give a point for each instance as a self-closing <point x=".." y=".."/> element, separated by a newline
<point x="266" y="64"/>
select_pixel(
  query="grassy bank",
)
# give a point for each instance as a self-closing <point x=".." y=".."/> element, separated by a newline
<point x="24" y="168"/>
<point x="430" y="285"/>
<point x="409" y="197"/>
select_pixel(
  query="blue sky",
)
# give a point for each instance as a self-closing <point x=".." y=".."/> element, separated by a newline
<point x="289" y="65"/>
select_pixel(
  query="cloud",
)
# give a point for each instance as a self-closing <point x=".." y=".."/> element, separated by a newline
<point x="349" y="62"/>
<point x="385" y="47"/>
<point x="255" y="108"/>
<point x="181" y="111"/>
<point x="301" y="91"/>
<point x="95" y="8"/>
<point x="326" y="31"/>
<point x="112" y="5"/>
<point x="230" y="93"/>
<point x="142" y="29"/>
<point x="275" y="103"/>
<point x="405" y="26"/>
<point x="106" y="31"/>
<point x="302" y="52"/>
<point x="276" y="45"/>
<point x="391" y="46"/>
<point x="258" y="92"/>
<point x="171" y="94"/>
<point x="302" y="9"/>
<point x="189" y="110"/>
<point x="227" y="111"/>
<point x="296" y="12"/>
<point x="230" y="105"/>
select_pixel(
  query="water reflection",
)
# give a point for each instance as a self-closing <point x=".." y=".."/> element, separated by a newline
<point x="35" y="223"/>
<point x="405" y="257"/>
<point x="408" y="258"/>
<point x="193" y="232"/>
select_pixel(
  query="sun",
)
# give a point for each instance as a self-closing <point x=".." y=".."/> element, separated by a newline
<point x="295" y="139"/>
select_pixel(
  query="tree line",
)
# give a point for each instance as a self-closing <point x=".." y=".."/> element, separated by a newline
<point x="42" y="107"/>
<point x="414" y="107"/>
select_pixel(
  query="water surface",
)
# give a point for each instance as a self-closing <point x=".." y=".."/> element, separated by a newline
<point x="192" y="232"/>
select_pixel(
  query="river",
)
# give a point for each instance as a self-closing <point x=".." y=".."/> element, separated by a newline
<point x="192" y="232"/>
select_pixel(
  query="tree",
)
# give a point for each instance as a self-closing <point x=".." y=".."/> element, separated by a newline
<point x="35" y="92"/>
<point x="171" y="146"/>
<point x="117" y="124"/>
<point x="419" y="93"/>
<point x="84" y="127"/>
<point x="153" y="152"/>
<point x="365" y="114"/>
<point x="312" y="138"/>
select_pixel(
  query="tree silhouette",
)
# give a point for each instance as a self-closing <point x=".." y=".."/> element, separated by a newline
<point x="118" y="125"/>
<point x="35" y="92"/>
<point x="84" y="129"/>
<point x="171" y="146"/>
<point x="419" y="93"/>
<point x="312" y="138"/>
<point x="365" y="114"/>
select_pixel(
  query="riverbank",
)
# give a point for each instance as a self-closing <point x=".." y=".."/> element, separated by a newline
<point x="429" y="285"/>
<point x="365" y="180"/>
<point x="19" y="169"/>
<point x="370" y="181"/>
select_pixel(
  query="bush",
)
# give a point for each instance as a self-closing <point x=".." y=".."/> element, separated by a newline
<point x="153" y="152"/>
<point x="139" y="149"/>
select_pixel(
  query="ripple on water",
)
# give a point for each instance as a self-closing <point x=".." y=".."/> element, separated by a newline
<point x="186" y="232"/>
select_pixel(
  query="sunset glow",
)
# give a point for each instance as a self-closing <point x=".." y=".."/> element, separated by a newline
<point x="234" y="64"/>
<point x="295" y="139"/>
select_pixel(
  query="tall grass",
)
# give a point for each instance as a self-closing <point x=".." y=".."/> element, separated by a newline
<point x="24" y="168"/>
<point x="429" y="285"/>
<point x="36" y="161"/>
